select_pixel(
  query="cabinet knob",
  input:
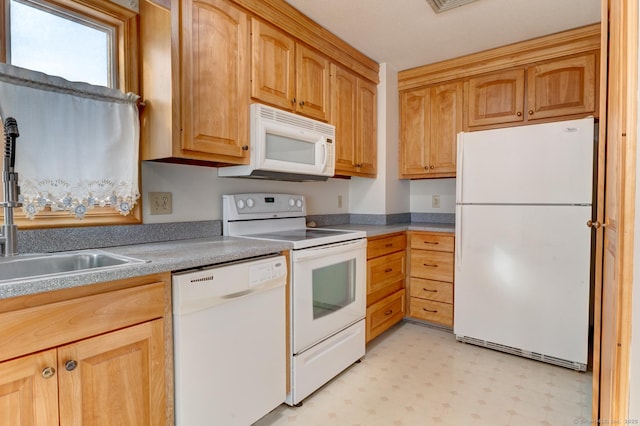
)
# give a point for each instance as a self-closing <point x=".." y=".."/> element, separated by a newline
<point x="293" y="101"/>
<point x="245" y="147"/>
<point x="48" y="372"/>
<point x="431" y="167"/>
<point x="530" y="112"/>
<point x="70" y="365"/>
<point x="519" y="113"/>
<point x="595" y="225"/>
<point x="301" y="103"/>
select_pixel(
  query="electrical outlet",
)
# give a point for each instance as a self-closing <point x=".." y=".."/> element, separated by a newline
<point x="435" y="201"/>
<point x="160" y="203"/>
<point x="339" y="201"/>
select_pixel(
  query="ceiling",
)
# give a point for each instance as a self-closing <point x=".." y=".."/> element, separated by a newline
<point x="408" y="33"/>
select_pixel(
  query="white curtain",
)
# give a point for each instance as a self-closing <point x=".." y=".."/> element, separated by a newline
<point x="78" y="143"/>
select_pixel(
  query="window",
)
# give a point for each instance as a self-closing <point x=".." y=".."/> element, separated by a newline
<point x="93" y="41"/>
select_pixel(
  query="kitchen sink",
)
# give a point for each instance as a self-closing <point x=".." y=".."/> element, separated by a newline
<point x="55" y="264"/>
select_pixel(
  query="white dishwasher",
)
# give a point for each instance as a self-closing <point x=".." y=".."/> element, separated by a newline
<point x="229" y="342"/>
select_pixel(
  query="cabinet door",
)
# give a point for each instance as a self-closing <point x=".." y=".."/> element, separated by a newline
<point x="496" y="98"/>
<point x="562" y="87"/>
<point x="415" y="121"/>
<point x="215" y="80"/>
<point x="312" y="83"/>
<point x="29" y="392"/>
<point x="272" y="65"/>
<point x="446" y="122"/>
<point x="344" y="117"/>
<point x="367" y="117"/>
<point x="117" y="379"/>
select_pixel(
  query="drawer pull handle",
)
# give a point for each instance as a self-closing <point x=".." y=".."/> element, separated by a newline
<point x="388" y="270"/>
<point x="429" y="290"/>
<point x="428" y="265"/>
<point x="389" y="245"/>
<point x="388" y="312"/>
<point x="429" y="310"/>
<point x="432" y="242"/>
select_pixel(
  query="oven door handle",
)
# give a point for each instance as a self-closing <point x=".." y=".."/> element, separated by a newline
<point x="330" y="249"/>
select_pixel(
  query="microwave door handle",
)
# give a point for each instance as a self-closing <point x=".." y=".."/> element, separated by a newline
<point x="325" y="153"/>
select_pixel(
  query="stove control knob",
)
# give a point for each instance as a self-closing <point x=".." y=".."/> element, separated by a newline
<point x="240" y="204"/>
<point x="249" y="202"/>
<point x="292" y="202"/>
<point x="299" y="203"/>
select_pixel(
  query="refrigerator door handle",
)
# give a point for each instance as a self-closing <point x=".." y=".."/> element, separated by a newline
<point x="458" y="237"/>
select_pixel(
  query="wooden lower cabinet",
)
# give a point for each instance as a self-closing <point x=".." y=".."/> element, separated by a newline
<point x="385" y="313"/>
<point x="98" y="359"/>
<point x="431" y="277"/>
<point x="386" y="262"/>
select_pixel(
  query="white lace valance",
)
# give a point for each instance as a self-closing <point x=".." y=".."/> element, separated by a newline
<point x="78" y="144"/>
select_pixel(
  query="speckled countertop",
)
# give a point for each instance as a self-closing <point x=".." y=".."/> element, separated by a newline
<point x="178" y="255"/>
<point x="377" y="230"/>
<point x="160" y="257"/>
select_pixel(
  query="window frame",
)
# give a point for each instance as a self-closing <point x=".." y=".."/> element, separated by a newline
<point x="127" y="65"/>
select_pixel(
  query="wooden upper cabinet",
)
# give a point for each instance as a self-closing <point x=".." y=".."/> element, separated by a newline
<point x="495" y="98"/>
<point x="195" y="82"/>
<point x="273" y="69"/>
<point x="415" y="122"/>
<point x="312" y="83"/>
<point x="288" y="74"/>
<point x="354" y="113"/>
<point x="562" y="87"/>
<point x="430" y="119"/>
<point x="556" y="89"/>
<point x="367" y="119"/>
<point x="215" y="80"/>
<point x="446" y="120"/>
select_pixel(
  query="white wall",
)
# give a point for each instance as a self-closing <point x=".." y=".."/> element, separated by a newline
<point x="197" y="192"/>
<point x="386" y="194"/>
<point x="423" y="190"/>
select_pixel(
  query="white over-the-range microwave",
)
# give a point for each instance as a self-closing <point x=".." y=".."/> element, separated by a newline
<point x="286" y="146"/>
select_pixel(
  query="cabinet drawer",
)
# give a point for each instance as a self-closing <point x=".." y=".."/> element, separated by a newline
<point x="428" y="310"/>
<point x="432" y="290"/>
<point x="383" y="272"/>
<point x="432" y="241"/>
<point x="25" y="330"/>
<point x="381" y="246"/>
<point x="432" y="265"/>
<point x="383" y="314"/>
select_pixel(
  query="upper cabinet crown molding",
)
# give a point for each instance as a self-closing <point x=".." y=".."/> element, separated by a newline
<point x="579" y="40"/>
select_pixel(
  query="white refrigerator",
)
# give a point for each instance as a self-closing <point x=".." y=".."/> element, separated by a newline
<point x="523" y="249"/>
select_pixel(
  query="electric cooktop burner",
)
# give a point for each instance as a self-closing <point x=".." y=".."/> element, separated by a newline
<point x="299" y="234"/>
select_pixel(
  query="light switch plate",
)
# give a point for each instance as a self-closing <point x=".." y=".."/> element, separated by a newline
<point x="160" y="203"/>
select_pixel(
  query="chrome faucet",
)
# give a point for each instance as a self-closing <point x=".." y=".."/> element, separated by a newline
<point x="9" y="234"/>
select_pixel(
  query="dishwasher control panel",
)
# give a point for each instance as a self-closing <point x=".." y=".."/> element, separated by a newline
<point x="260" y="273"/>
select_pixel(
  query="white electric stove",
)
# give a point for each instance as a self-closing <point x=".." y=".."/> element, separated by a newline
<point x="327" y="290"/>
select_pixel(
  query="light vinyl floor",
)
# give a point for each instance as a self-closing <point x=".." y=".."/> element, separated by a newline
<point x="418" y="375"/>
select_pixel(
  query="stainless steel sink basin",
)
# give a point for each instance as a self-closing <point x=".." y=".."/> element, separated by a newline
<point x="55" y="264"/>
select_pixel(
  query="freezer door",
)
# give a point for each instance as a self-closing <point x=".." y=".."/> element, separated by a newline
<point x="548" y="163"/>
<point x="522" y="278"/>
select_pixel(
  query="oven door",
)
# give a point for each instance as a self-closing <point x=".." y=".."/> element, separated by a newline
<point x="328" y="291"/>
